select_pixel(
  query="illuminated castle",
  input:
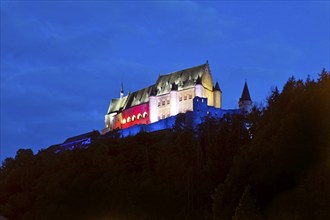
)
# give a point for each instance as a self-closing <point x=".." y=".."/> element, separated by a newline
<point x="173" y="93"/>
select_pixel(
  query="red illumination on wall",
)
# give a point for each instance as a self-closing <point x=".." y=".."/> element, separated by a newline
<point x="138" y="115"/>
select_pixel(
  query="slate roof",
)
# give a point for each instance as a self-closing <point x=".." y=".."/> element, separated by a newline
<point x="245" y="94"/>
<point x="179" y="80"/>
<point x="217" y="87"/>
<point x="184" y="79"/>
<point x="92" y="134"/>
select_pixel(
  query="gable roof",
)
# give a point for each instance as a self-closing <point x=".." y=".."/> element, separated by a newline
<point x="179" y="80"/>
<point x="184" y="79"/>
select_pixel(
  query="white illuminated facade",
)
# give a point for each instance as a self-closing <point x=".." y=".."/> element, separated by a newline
<point x="172" y="94"/>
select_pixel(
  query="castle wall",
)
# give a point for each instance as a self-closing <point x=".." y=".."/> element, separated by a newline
<point x="138" y="114"/>
<point x="209" y="95"/>
<point x="193" y="118"/>
<point x="163" y="106"/>
<point x="186" y="100"/>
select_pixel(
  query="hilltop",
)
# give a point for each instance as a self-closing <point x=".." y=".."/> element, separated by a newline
<point x="272" y="164"/>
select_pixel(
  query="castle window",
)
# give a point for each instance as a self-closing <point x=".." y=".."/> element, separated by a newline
<point x="190" y="96"/>
<point x="145" y="114"/>
<point x="180" y="99"/>
<point x="163" y="103"/>
<point x="168" y="115"/>
<point x="168" y="101"/>
<point x="158" y="104"/>
<point x="139" y="116"/>
<point x="163" y="116"/>
<point x="158" y="118"/>
<point x="185" y="97"/>
<point x="129" y="119"/>
<point x="133" y="117"/>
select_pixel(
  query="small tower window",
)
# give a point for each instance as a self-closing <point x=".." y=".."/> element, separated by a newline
<point x="185" y="97"/>
<point x="190" y="96"/>
<point x="180" y="99"/>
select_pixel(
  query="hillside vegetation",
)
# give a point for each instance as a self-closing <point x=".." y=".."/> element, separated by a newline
<point x="272" y="164"/>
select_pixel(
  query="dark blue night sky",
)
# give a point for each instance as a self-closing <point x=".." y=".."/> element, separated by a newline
<point x="62" y="62"/>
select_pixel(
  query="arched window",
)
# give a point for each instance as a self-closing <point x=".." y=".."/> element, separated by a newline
<point x="145" y="114"/>
<point x="124" y="121"/>
<point x="139" y="116"/>
<point x="129" y="119"/>
<point x="133" y="117"/>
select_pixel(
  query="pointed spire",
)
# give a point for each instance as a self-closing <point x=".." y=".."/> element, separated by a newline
<point x="245" y="94"/>
<point x="122" y="90"/>
<point x="217" y="87"/>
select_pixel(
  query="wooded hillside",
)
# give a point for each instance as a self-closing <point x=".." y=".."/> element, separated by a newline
<point x="272" y="164"/>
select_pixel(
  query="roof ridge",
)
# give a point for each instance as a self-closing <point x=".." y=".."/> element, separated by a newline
<point x="182" y="70"/>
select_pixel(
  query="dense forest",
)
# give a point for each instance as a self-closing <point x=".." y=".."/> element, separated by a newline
<point x="271" y="164"/>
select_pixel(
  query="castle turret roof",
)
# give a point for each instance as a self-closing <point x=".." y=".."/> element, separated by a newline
<point x="245" y="94"/>
<point x="217" y="87"/>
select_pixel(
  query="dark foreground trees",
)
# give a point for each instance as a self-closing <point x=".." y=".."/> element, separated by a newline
<point x="277" y="169"/>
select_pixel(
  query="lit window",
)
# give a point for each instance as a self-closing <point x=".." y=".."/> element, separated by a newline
<point x="190" y="96"/>
<point x="139" y="116"/>
<point x="145" y="114"/>
<point x="129" y="119"/>
<point x="124" y="121"/>
<point x="185" y="97"/>
<point x="180" y="99"/>
<point x="133" y="117"/>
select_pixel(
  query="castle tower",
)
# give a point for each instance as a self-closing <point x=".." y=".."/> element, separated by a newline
<point x="153" y="106"/>
<point x="199" y="87"/>
<point x="174" y="100"/>
<point x="217" y="93"/>
<point x="122" y="90"/>
<point x="245" y="102"/>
